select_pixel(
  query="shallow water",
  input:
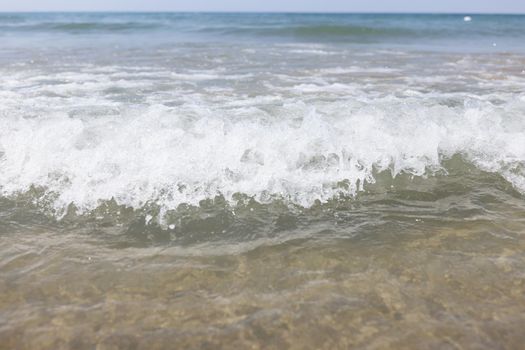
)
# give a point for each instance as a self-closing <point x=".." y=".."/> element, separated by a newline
<point x="265" y="181"/>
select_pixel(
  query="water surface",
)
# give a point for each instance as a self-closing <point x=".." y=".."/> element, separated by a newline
<point x="262" y="180"/>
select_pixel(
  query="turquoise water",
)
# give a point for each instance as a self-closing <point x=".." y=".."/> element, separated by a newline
<point x="262" y="180"/>
<point x="443" y="31"/>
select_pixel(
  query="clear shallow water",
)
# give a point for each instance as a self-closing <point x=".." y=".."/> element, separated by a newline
<point x="207" y="180"/>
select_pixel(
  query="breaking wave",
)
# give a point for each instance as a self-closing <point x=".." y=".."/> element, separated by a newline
<point x="301" y="154"/>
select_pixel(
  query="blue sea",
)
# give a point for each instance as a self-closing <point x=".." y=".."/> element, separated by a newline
<point x="262" y="180"/>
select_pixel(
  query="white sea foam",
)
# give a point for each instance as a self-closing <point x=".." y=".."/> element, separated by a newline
<point x="99" y="133"/>
<point x="355" y="69"/>
<point x="313" y="52"/>
<point x="155" y="153"/>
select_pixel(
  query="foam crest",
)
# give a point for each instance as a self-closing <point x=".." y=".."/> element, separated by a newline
<point x="158" y="153"/>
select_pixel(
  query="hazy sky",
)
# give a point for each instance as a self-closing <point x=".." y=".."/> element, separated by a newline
<point x="462" y="6"/>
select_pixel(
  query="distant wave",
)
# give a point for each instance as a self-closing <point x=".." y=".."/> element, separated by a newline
<point x="291" y="26"/>
<point x="314" y="31"/>
<point x="80" y="27"/>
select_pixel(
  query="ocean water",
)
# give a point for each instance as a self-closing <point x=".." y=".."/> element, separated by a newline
<point x="205" y="180"/>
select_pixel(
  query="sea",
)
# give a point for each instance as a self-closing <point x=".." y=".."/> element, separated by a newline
<point x="262" y="180"/>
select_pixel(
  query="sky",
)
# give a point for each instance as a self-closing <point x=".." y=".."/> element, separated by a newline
<point x="440" y="6"/>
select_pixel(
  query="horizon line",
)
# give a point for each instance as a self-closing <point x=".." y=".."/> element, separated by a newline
<point x="270" y="12"/>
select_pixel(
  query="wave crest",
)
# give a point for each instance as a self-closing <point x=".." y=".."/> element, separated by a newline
<point x="158" y="153"/>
